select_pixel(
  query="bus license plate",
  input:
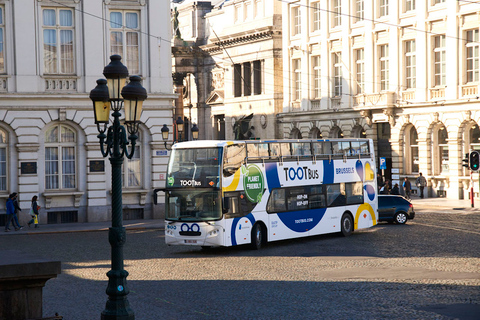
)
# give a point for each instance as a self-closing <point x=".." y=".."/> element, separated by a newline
<point x="190" y="241"/>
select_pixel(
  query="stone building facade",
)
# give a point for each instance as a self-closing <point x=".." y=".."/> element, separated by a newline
<point x="51" y="54"/>
<point x="231" y="54"/>
<point x="404" y="73"/>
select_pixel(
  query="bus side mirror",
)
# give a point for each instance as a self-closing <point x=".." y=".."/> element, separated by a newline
<point x="226" y="204"/>
<point x="155" y="195"/>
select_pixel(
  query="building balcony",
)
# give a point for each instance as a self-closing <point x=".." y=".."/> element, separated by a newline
<point x="470" y="90"/>
<point x="408" y="95"/>
<point x="60" y="83"/>
<point x="437" y="93"/>
<point x="372" y="100"/>
<point x="315" y="104"/>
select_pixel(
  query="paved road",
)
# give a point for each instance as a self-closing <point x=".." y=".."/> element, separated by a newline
<point x="427" y="269"/>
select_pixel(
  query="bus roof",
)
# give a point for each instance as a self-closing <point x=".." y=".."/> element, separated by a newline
<point x="223" y="143"/>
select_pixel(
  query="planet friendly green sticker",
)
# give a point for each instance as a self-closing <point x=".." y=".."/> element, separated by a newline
<point x="253" y="183"/>
<point x="170" y="181"/>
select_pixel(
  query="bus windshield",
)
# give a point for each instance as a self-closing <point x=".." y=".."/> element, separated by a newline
<point x="194" y="168"/>
<point x="193" y="204"/>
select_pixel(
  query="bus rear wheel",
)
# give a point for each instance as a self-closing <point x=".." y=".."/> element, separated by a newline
<point x="347" y="225"/>
<point x="258" y="237"/>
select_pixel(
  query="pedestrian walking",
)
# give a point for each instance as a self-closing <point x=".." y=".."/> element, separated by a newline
<point x="16" y="211"/>
<point x="407" y="188"/>
<point x="10" y="211"/>
<point x="34" y="212"/>
<point x="421" y="183"/>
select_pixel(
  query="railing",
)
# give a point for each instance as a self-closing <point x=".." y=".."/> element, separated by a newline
<point x="469" y="90"/>
<point x="60" y="84"/>
<point x="3" y="84"/>
<point x="436" y="93"/>
<point x="315" y="104"/>
<point x="408" y="95"/>
<point x="375" y="99"/>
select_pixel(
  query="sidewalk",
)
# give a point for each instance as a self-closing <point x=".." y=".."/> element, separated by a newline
<point x="444" y="203"/>
<point x="84" y="227"/>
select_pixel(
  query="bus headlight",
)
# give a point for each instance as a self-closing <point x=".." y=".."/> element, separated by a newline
<point x="213" y="233"/>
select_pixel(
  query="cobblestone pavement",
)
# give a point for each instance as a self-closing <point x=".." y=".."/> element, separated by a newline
<point x="426" y="269"/>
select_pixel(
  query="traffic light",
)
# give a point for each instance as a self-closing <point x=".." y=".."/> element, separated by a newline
<point x="465" y="161"/>
<point x="474" y="160"/>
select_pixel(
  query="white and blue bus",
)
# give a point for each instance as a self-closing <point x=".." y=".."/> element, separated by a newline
<point x="228" y="193"/>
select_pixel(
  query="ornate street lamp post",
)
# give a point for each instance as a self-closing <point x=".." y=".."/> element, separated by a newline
<point x="106" y="96"/>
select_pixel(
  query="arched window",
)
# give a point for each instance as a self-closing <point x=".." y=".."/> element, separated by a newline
<point x="60" y="164"/>
<point x="295" y="134"/>
<point x="3" y="160"/>
<point x="411" y="151"/>
<point x="442" y="139"/>
<point x="132" y="168"/>
<point x="474" y="138"/>
<point x="315" y="134"/>
<point x="358" y="132"/>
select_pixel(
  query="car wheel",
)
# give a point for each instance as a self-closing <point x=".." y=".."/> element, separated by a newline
<point x="257" y="237"/>
<point x="401" y="218"/>
<point x="347" y="225"/>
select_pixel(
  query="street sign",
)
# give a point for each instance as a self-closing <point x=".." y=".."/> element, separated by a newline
<point x="383" y="163"/>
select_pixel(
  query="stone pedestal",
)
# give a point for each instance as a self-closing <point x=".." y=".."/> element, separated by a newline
<point x="22" y="278"/>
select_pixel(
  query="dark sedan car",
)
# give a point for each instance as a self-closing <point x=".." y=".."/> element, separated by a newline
<point x="394" y="208"/>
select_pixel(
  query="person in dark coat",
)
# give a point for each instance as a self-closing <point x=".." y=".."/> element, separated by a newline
<point x="407" y="188"/>
<point x="17" y="210"/>
<point x="10" y="211"/>
<point x="396" y="189"/>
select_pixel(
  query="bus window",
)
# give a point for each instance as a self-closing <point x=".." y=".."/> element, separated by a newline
<point x="285" y="149"/>
<point x="317" y="197"/>
<point x="336" y="195"/>
<point x="364" y="148"/>
<point x="345" y="148"/>
<point x="252" y="150"/>
<point x="274" y="149"/>
<point x="263" y="150"/>
<point x="301" y="149"/>
<point x="336" y="148"/>
<point x="233" y="205"/>
<point x="327" y="148"/>
<point x="356" y="147"/>
<point x="297" y="199"/>
<point x="234" y="156"/>
<point x="257" y="150"/>
<point x="276" y="202"/>
<point x="317" y="148"/>
<point x="245" y="205"/>
<point x="354" y="192"/>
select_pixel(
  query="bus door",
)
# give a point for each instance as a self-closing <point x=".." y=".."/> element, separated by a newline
<point x="237" y="207"/>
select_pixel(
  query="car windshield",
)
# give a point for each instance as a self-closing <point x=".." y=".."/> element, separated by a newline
<point x="193" y="204"/>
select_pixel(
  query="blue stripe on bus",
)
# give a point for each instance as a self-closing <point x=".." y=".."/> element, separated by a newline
<point x="234" y="226"/>
<point x="302" y="221"/>
<point x="271" y="172"/>
<point x="328" y="171"/>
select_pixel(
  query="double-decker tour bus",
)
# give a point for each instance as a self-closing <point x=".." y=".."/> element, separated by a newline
<point x="228" y="193"/>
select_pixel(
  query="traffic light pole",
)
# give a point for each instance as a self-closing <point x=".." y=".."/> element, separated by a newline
<point x="471" y="188"/>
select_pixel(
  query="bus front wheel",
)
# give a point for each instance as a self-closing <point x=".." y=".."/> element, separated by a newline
<point x="347" y="225"/>
<point x="258" y="237"/>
